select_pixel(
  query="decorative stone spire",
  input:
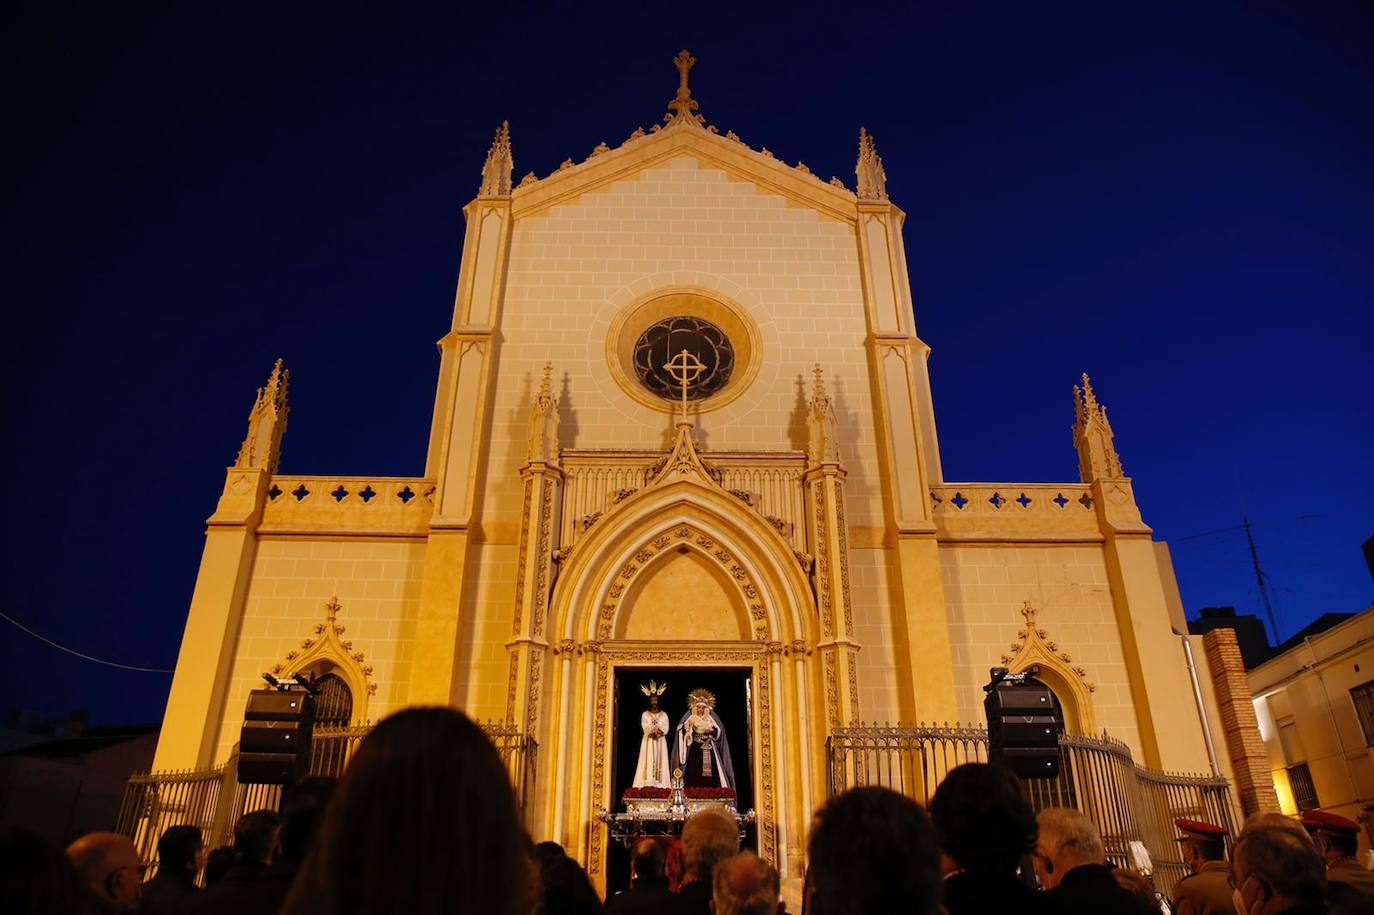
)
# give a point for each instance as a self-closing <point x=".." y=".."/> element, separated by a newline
<point x="683" y="105"/>
<point x="824" y="442"/>
<point x="869" y="169"/>
<point x="496" y="173"/>
<point x="543" y="442"/>
<point x="1092" y="436"/>
<point x="261" y="447"/>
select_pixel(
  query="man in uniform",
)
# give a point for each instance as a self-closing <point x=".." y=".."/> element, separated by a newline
<point x="1337" y="840"/>
<point x="1207" y="890"/>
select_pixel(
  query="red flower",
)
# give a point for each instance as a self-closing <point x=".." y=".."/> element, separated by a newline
<point x="713" y="794"/>
<point x="646" y="793"/>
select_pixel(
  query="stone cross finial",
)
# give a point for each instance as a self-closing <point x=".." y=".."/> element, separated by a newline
<point x="496" y="172"/>
<point x="261" y="447"/>
<point x="683" y="104"/>
<point x="1093" y="437"/>
<point x="869" y="170"/>
<point x="684" y="369"/>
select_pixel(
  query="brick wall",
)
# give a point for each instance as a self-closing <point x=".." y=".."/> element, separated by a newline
<point x="1254" y="785"/>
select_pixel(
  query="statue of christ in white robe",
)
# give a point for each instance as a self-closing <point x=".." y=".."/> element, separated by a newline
<point x="652" y="770"/>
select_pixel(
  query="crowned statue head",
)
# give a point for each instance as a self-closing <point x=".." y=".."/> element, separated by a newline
<point x="653" y="691"/>
<point x="700" y="703"/>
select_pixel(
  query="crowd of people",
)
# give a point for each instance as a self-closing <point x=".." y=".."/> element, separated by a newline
<point x="424" y="821"/>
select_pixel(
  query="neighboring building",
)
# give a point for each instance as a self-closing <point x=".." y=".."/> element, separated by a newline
<point x="1315" y="705"/>
<point x="66" y="786"/>
<point x="1249" y="629"/>
<point x="575" y="523"/>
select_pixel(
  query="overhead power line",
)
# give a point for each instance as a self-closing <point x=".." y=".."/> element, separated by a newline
<point x="82" y="655"/>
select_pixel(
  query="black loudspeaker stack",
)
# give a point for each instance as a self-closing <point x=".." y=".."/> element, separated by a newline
<point x="1024" y="723"/>
<point x="274" y="745"/>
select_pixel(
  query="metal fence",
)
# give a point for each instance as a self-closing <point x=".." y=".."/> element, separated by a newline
<point x="1097" y="775"/>
<point x="213" y="800"/>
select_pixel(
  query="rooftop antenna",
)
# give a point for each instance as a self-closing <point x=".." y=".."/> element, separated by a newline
<point x="1259" y="578"/>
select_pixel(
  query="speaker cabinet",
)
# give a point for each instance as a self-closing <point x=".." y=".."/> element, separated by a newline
<point x="274" y="743"/>
<point x="1024" y="724"/>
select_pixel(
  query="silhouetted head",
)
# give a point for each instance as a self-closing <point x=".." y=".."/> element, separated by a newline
<point x="255" y="836"/>
<point x="567" y="889"/>
<point x="648" y="858"/>
<point x="179" y="850"/>
<point x="873" y="850"/>
<point x="217" y="864"/>
<point x="745" y="885"/>
<point x="984" y="821"/>
<point x="423" y="822"/>
<point x="35" y="877"/>
<point x="302" y="813"/>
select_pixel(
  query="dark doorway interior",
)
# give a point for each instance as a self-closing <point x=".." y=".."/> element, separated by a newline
<point x="731" y="686"/>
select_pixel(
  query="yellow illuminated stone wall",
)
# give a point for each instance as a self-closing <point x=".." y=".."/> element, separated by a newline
<point x="985" y="586"/>
<point x="377" y="584"/>
<point x="678" y="225"/>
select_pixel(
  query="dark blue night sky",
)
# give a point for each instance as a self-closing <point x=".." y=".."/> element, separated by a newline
<point x="1177" y="198"/>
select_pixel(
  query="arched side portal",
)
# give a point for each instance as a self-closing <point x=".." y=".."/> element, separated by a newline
<point x="591" y="613"/>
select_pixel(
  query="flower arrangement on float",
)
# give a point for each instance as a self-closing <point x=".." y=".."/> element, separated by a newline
<point x="647" y="792"/>
<point x="711" y="794"/>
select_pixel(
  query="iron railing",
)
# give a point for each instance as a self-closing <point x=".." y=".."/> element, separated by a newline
<point x="213" y="800"/>
<point x="1097" y="775"/>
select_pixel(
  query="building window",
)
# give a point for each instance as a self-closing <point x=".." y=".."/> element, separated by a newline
<point x="334" y="704"/>
<point x="1304" y="792"/>
<point x="1363" y="697"/>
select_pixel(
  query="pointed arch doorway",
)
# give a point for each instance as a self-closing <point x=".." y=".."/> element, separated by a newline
<point x="732" y="688"/>
<point x="693" y="584"/>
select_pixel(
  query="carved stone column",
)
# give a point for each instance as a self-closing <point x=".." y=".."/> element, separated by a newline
<point x="196" y="703"/>
<point x="908" y="447"/>
<point x="539" y="532"/>
<point x="828" y="534"/>
<point x="457" y="443"/>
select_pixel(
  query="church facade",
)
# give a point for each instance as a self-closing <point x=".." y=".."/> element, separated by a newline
<point x="684" y="420"/>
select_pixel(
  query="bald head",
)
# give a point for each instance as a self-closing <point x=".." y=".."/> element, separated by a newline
<point x="109" y="866"/>
<point x="745" y="885"/>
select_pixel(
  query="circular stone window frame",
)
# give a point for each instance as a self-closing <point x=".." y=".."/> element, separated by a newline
<point x="647" y="310"/>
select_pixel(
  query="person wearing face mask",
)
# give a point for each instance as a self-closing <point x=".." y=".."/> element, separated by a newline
<point x="1338" y="839"/>
<point x="1207" y="889"/>
<point x="1274" y="870"/>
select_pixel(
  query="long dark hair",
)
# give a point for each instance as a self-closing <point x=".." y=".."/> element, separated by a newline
<point x="422" y="822"/>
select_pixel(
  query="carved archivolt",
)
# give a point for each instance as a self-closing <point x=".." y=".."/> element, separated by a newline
<point x="1033" y="647"/>
<point x="327" y="651"/>
<point x="685" y="535"/>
